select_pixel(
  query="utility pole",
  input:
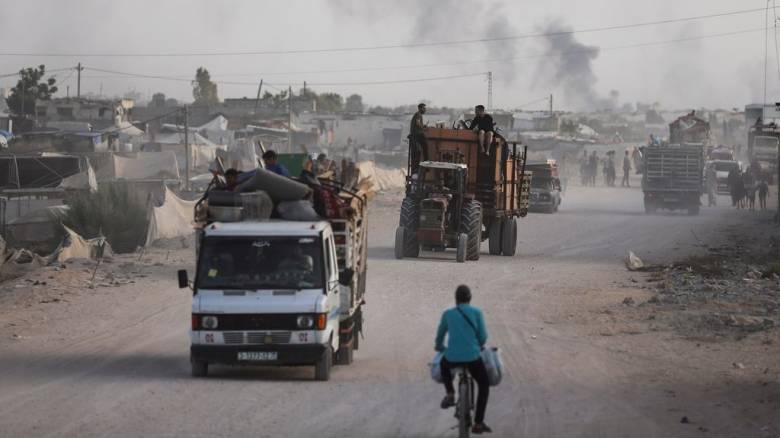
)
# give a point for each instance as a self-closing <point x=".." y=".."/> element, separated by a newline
<point x="79" y="68"/>
<point x="289" y="120"/>
<point x="490" y="91"/>
<point x="186" y="148"/>
<point x="551" y="105"/>
<point x="257" y="101"/>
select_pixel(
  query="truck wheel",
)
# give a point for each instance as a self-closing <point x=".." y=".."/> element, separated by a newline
<point x="399" y="242"/>
<point x="494" y="236"/>
<point x="509" y="237"/>
<point x="649" y="207"/>
<point x="471" y="225"/>
<point x="199" y="368"/>
<point x="322" y="367"/>
<point x="410" y="219"/>
<point x="345" y="354"/>
<point x="463" y="245"/>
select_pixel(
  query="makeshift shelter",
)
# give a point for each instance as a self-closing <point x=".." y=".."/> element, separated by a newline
<point x="39" y="230"/>
<point x="85" y="180"/>
<point x="174" y="218"/>
<point x="74" y="246"/>
<point x="146" y="165"/>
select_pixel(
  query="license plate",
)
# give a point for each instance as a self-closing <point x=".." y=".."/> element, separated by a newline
<point x="257" y="355"/>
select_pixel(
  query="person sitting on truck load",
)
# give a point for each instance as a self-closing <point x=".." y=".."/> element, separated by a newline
<point x="272" y="163"/>
<point x="464" y="326"/>
<point x="231" y="179"/>
<point x="418" y="145"/>
<point x="482" y="124"/>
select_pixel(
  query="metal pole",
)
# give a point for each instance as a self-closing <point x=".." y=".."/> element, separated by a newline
<point x="257" y="101"/>
<point x="551" y="104"/>
<point x="289" y="120"/>
<point x="186" y="148"/>
<point x="490" y="91"/>
<point x="78" y="80"/>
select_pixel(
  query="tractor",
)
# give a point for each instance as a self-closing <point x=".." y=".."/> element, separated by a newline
<point x="463" y="197"/>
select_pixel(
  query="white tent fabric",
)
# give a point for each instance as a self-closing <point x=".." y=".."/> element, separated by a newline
<point x="381" y="179"/>
<point x="84" y="180"/>
<point x="76" y="247"/>
<point x="219" y="123"/>
<point x="172" y="219"/>
<point x="126" y="129"/>
<point x="146" y="165"/>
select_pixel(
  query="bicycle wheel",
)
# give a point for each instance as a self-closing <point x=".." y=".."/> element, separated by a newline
<point x="464" y="411"/>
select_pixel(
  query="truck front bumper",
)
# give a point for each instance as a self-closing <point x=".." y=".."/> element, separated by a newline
<point x="298" y="354"/>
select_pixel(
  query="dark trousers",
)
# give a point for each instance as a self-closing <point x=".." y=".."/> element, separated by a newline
<point x="479" y="373"/>
<point x="418" y="150"/>
<point x="624" y="182"/>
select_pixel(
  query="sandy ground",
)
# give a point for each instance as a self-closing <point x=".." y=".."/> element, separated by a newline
<point x="112" y="360"/>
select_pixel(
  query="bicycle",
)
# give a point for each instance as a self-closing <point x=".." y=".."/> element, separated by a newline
<point x="464" y="405"/>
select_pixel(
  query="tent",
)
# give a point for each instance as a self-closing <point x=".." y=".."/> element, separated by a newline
<point x="74" y="246"/>
<point x="146" y="165"/>
<point x="174" y="218"/>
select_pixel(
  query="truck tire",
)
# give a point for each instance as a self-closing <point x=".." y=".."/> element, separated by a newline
<point x="398" y="249"/>
<point x="463" y="248"/>
<point x="345" y="354"/>
<point x="471" y="225"/>
<point x="494" y="236"/>
<point x="509" y="237"/>
<point x="322" y="367"/>
<point x="650" y="207"/>
<point x="199" y="368"/>
<point x="410" y="220"/>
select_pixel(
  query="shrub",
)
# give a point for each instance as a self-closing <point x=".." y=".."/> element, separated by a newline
<point x="110" y="212"/>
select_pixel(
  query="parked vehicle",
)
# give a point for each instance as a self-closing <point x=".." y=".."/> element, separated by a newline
<point x="722" y="169"/>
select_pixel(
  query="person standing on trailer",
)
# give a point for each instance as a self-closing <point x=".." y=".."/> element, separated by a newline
<point x="418" y="145"/>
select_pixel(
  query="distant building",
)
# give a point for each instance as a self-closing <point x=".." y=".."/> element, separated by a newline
<point x="100" y="114"/>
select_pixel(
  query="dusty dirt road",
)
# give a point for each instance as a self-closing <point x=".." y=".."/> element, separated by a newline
<point x="113" y="361"/>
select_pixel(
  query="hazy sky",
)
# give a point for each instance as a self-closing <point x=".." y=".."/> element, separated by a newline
<point x="725" y="71"/>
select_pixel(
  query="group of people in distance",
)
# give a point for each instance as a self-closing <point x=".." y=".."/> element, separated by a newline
<point x="744" y="186"/>
<point x="589" y="169"/>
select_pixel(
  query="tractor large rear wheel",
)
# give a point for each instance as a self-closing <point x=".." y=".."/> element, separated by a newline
<point x="471" y="225"/>
<point x="410" y="221"/>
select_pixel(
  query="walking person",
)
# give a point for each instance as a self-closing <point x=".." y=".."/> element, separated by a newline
<point x="584" y="178"/>
<point x="712" y="186"/>
<point x="763" y="192"/>
<point x="593" y="168"/>
<point x="466" y="334"/>
<point x="749" y="183"/>
<point x="735" y="187"/>
<point x="626" y="170"/>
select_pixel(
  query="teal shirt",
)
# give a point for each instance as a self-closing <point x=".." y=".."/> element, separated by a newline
<point x="463" y="342"/>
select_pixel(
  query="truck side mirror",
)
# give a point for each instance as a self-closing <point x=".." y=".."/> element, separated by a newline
<point x="183" y="280"/>
<point x="345" y="276"/>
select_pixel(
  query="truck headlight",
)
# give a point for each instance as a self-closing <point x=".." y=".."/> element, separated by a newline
<point x="305" y="322"/>
<point x="209" y="322"/>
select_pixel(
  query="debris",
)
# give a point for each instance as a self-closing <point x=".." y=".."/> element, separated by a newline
<point x="634" y="263"/>
<point x="738" y="365"/>
<point x="685" y="420"/>
<point x="628" y="301"/>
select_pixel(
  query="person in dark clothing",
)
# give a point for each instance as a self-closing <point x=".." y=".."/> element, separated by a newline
<point x="482" y="124"/>
<point x="271" y="163"/>
<point x="736" y="187"/>
<point x="763" y="192"/>
<point x="466" y="334"/>
<point x="231" y="179"/>
<point x="418" y="145"/>
<point x="626" y="170"/>
<point x="593" y="168"/>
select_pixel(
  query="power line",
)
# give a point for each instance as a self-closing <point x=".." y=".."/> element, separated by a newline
<point x="54" y="70"/>
<point x="180" y="78"/>
<point x="390" y="46"/>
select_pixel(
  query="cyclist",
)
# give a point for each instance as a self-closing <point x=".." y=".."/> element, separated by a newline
<point x="467" y="334"/>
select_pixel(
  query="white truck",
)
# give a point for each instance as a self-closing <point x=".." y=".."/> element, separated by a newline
<point x="279" y="292"/>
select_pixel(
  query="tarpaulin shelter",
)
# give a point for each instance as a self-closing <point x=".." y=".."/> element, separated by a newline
<point x="74" y="246"/>
<point x="39" y="170"/>
<point x="171" y="219"/>
<point x="146" y="165"/>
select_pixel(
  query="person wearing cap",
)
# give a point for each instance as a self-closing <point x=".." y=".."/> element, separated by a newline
<point x="466" y="334"/>
<point x="418" y="145"/>
<point x="482" y="124"/>
<point x="272" y="163"/>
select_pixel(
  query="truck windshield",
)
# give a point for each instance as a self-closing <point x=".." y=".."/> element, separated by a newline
<point x="541" y="183"/>
<point x="726" y="167"/>
<point x="260" y="263"/>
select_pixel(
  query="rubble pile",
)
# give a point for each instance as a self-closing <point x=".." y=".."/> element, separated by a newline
<point x="732" y="291"/>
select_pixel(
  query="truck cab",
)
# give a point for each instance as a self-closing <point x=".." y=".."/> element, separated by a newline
<point x="545" y="187"/>
<point x="267" y="293"/>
